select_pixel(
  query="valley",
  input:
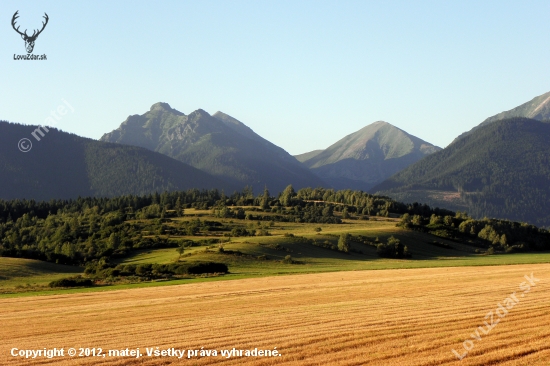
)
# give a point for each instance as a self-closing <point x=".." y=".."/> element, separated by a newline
<point x="286" y="183"/>
<point x="130" y="275"/>
<point x="261" y="243"/>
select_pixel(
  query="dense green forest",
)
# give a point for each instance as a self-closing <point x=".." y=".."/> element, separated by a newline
<point x="63" y="165"/>
<point x="502" y="171"/>
<point x="537" y="108"/>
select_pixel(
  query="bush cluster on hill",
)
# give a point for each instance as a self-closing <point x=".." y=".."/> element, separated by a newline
<point x="490" y="234"/>
<point x="72" y="282"/>
<point x="102" y="270"/>
<point x="86" y="229"/>
<point x="393" y="249"/>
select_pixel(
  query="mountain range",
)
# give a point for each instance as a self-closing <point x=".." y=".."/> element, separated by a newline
<point x="217" y="144"/>
<point x="367" y="157"/>
<point x="498" y="169"/>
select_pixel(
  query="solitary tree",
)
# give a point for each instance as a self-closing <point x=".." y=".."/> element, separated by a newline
<point x="344" y="243"/>
<point x="286" y="196"/>
<point x="264" y="203"/>
<point x="179" y="208"/>
<point x="345" y="214"/>
<point x="180" y="250"/>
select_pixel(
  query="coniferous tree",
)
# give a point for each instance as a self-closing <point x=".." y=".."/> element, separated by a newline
<point x="264" y="203"/>
<point x="178" y="207"/>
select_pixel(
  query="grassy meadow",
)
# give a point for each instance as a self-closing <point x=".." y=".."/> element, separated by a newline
<point x="23" y="275"/>
<point x="260" y="256"/>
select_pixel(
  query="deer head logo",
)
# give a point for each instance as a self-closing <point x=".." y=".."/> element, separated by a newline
<point x="29" y="40"/>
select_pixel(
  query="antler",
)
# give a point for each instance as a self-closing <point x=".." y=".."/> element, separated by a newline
<point x="34" y="35"/>
<point x="15" y="16"/>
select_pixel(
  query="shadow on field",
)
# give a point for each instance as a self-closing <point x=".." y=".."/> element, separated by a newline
<point x="421" y="246"/>
<point x="18" y="267"/>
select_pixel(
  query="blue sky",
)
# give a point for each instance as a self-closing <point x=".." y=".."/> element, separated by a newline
<point x="302" y="74"/>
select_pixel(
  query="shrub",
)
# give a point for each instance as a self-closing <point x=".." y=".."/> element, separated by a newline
<point x="72" y="282"/>
<point x="208" y="267"/>
<point x="143" y="269"/>
<point x="180" y="270"/>
<point x="239" y="231"/>
<point x="393" y="249"/>
<point x="262" y="232"/>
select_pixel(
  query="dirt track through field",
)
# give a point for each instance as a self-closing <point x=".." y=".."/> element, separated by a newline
<point x="385" y="317"/>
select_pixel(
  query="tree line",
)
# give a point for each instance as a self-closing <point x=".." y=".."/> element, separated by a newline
<point x="490" y="235"/>
<point x="85" y="229"/>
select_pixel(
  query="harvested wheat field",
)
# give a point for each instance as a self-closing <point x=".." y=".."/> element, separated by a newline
<point x="385" y="317"/>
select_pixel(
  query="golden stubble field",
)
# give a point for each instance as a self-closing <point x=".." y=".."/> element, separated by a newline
<point x="384" y="317"/>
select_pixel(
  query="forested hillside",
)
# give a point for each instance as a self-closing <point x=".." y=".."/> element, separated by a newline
<point x="502" y="170"/>
<point x="537" y="108"/>
<point x="63" y="165"/>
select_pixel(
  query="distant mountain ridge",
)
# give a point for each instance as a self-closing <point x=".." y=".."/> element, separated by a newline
<point x="219" y="144"/>
<point x="537" y="108"/>
<point x="500" y="170"/>
<point x="365" y="158"/>
<point x="63" y="165"/>
<point x="306" y="156"/>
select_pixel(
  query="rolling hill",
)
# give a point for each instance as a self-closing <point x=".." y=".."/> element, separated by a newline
<point x="63" y="165"/>
<point x="367" y="157"/>
<point x="501" y="170"/>
<point x="218" y="144"/>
